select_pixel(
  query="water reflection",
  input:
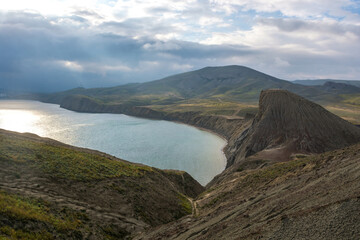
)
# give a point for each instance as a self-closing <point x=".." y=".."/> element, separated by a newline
<point x="20" y="121"/>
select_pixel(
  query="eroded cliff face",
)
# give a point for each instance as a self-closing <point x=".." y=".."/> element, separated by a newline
<point x="286" y="124"/>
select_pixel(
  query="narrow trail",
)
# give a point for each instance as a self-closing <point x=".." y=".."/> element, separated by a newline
<point x="194" y="211"/>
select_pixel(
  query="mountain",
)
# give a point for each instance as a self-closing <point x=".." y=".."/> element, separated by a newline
<point x="314" y="82"/>
<point x="216" y="82"/>
<point x="50" y="190"/>
<point x="286" y="124"/>
<point x="228" y="83"/>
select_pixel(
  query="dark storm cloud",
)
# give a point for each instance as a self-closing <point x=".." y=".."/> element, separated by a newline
<point x="39" y="55"/>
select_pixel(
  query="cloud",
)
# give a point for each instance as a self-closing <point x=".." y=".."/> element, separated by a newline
<point x="104" y="43"/>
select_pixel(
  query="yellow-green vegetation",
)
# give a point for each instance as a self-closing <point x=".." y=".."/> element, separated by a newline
<point x="185" y="203"/>
<point x="23" y="209"/>
<point x="205" y="106"/>
<point x="65" y="162"/>
<point x="348" y="112"/>
<point x="353" y="99"/>
<point x="10" y="233"/>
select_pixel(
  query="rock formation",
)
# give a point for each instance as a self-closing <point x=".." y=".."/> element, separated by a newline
<point x="287" y="123"/>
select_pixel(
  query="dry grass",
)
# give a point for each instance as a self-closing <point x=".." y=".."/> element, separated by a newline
<point x="206" y="107"/>
<point x="348" y="112"/>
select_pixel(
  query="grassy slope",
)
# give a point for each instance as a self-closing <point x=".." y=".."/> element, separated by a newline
<point x="63" y="162"/>
<point x="82" y="188"/>
<point x="24" y="211"/>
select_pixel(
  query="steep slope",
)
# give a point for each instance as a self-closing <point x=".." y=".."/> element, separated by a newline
<point x="59" y="191"/>
<point x="316" y="197"/>
<point x="287" y="124"/>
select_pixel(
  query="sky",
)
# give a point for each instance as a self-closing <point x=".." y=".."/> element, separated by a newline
<point x="53" y="45"/>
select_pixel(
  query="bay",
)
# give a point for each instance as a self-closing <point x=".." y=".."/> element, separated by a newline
<point x="161" y="144"/>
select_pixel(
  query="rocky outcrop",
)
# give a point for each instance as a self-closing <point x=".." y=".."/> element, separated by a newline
<point x="287" y="123"/>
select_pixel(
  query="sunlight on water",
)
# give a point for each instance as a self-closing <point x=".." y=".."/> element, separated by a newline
<point x="20" y="121"/>
<point x="161" y="144"/>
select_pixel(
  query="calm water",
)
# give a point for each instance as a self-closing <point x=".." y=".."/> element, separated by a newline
<point x="161" y="144"/>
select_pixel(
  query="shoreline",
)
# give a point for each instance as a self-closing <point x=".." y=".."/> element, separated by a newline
<point x="209" y="131"/>
<point x="223" y="157"/>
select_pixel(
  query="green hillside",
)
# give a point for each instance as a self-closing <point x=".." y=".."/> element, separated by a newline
<point x="230" y="90"/>
<point x="230" y="83"/>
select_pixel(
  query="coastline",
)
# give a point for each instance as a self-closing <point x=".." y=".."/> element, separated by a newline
<point x="223" y="142"/>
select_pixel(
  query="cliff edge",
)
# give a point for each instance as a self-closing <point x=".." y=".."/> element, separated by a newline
<point x="286" y="124"/>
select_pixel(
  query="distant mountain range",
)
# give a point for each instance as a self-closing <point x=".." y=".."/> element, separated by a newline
<point x="228" y="83"/>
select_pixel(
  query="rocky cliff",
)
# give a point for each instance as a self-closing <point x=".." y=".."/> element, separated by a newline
<point x="286" y="124"/>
